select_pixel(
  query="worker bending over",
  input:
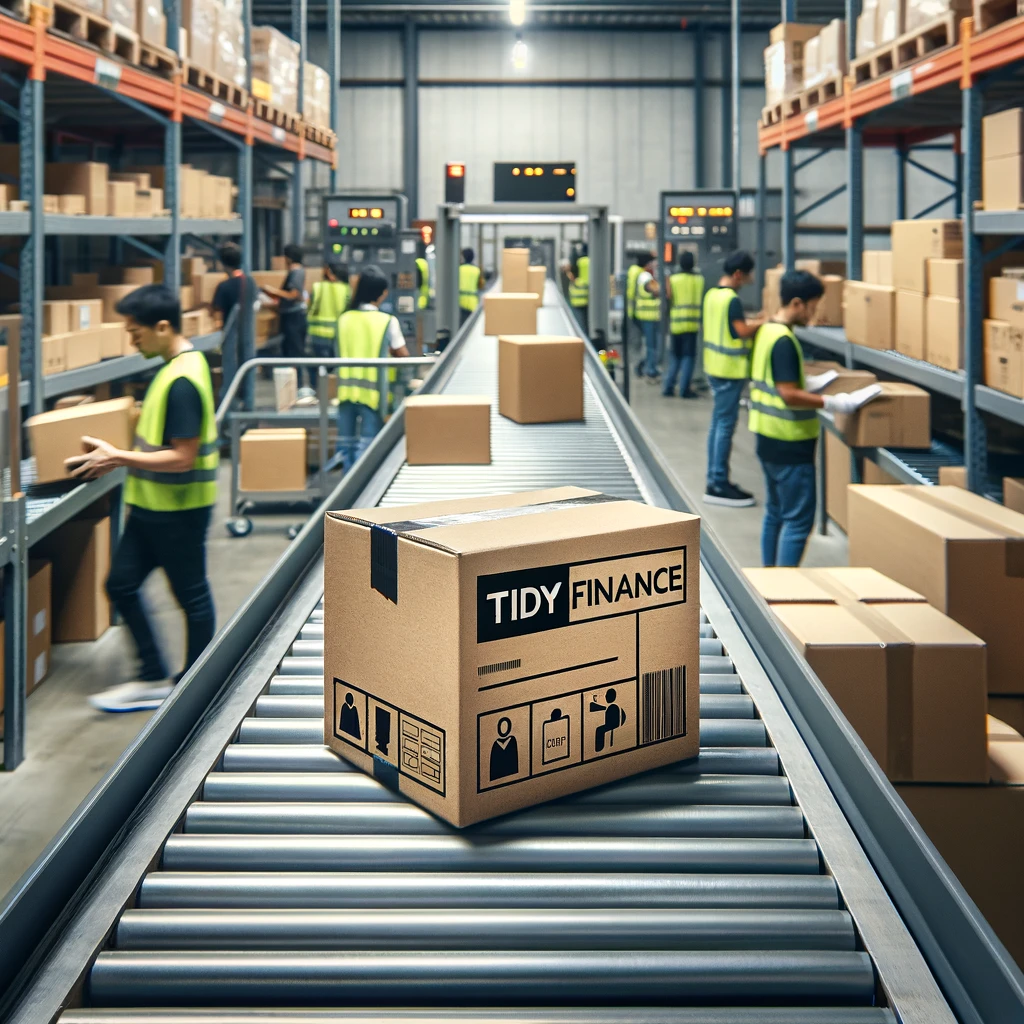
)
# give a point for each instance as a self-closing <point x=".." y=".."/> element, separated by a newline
<point x="647" y="310"/>
<point x="328" y="301"/>
<point x="170" y="492"/>
<point x="579" y="289"/>
<point x="727" y="343"/>
<point x="783" y="415"/>
<point x="685" y="292"/>
<point x="364" y="332"/>
<point x="471" y="284"/>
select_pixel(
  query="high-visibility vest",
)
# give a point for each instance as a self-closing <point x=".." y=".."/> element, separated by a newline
<point x="686" y="291"/>
<point x="362" y="334"/>
<point x="328" y="303"/>
<point x="195" y="487"/>
<point x="631" y="275"/>
<point x="724" y="355"/>
<point x="579" y="290"/>
<point x="647" y="306"/>
<point x="424" y="269"/>
<point x="769" y="414"/>
<point x="469" y="286"/>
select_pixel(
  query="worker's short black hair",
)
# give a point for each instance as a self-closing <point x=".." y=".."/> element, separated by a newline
<point x="150" y="304"/>
<point x="686" y="261"/>
<point x="467" y="255"/>
<point x="293" y="253"/>
<point x="230" y="256"/>
<point x="373" y="283"/>
<point x="739" y="261"/>
<point x="800" y="284"/>
<point x="643" y="258"/>
<point x="338" y="269"/>
<point x="582" y="250"/>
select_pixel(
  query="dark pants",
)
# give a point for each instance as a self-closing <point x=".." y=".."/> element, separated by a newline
<point x="176" y="543"/>
<point x="582" y="315"/>
<point x="293" y="341"/>
<point x="727" y="393"/>
<point x="788" y="512"/>
<point x="684" y="355"/>
<point x="326" y="347"/>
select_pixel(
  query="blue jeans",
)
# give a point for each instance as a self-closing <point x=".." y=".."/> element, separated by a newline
<point x="351" y="444"/>
<point x="788" y="512"/>
<point x="727" y="393"/>
<point x="651" y="329"/>
<point x="681" y="362"/>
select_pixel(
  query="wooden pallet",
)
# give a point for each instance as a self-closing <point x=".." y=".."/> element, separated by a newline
<point x="159" y="59"/>
<point x="989" y="13"/>
<point x="907" y="49"/>
<point x="827" y="89"/>
<point x="86" y="26"/>
<point x="320" y="135"/>
<point x="215" y="86"/>
<point x="282" y="118"/>
<point x="771" y="114"/>
<point x="19" y="8"/>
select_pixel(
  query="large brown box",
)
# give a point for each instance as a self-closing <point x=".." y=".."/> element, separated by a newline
<point x="561" y="650"/>
<point x="536" y="277"/>
<point x="838" y="477"/>
<point x="120" y="199"/>
<point x="1003" y="348"/>
<point x="111" y="339"/>
<point x="83" y="348"/>
<point x="510" y="313"/>
<point x="910" y="680"/>
<point x="1006" y="300"/>
<point x="876" y="267"/>
<point x="447" y="430"/>
<point x="910" y="324"/>
<point x="152" y="23"/>
<point x="515" y="270"/>
<point x="899" y="417"/>
<point x="80" y="553"/>
<point x="830" y="307"/>
<point x="56" y="317"/>
<point x="1002" y="182"/>
<point x="57" y="435"/>
<point x="963" y="552"/>
<point x="944" y="332"/>
<point x="540" y="378"/>
<point x="1002" y="134"/>
<point x="869" y="314"/>
<point x="914" y="242"/>
<point x="84" y="179"/>
<point x="84" y="314"/>
<point x="946" y="278"/>
<point x="54" y="354"/>
<point x="273" y="459"/>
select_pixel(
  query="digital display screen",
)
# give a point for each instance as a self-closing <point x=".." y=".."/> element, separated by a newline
<point x="362" y="212"/>
<point x="699" y="215"/>
<point x="532" y="182"/>
<point x="700" y="211"/>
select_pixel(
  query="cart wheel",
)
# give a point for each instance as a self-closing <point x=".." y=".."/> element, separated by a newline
<point x="293" y="532"/>
<point x="240" y="527"/>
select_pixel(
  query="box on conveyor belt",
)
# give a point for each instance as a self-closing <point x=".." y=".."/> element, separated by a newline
<point x="944" y="332"/>
<point x="83" y="179"/>
<point x="830" y="307"/>
<point x="540" y="378"/>
<point x="447" y="430"/>
<point x="80" y="555"/>
<point x="536" y="277"/>
<point x="910" y="680"/>
<point x="953" y="476"/>
<point x="869" y="314"/>
<point x="915" y="242"/>
<point x="561" y="650"/>
<point x="275" y="60"/>
<point x="515" y="270"/>
<point x="962" y="551"/>
<point x="900" y="417"/>
<point x="510" y="313"/>
<point x="876" y="267"/>
<point x="57" y="435"/>
<point x="910" y="324"/>
<point x="273" y="459"/>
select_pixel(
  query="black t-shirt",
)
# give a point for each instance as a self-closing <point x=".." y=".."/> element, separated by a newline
<point x="295" y="281"/>
<point x="225" y="298"/>
<point x="735" y="313"/>
<point x="785" y="368"/>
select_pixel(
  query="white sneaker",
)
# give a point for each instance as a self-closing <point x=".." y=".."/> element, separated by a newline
<point x="138" y="696"/>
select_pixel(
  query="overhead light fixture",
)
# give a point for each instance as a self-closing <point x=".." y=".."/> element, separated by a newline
<point x="519" y="56"/>
<point x="517" y="12"/>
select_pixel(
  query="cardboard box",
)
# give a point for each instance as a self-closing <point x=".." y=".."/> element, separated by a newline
<point x="829" y="53"/>
<point x="869" y="314"/>
<point x="540" y="378"/>
<point x="1006" y="300"/>
<point x="793" y="32"/>
<point x="80" y="553"/>
<point x="845" y="380"/>
<point x="536" y="278"/>
<point x="54" y="354"/>
<point x="447" y="430"/>
<point x="1003" y="347"/>
<point x="830" y="308"/>
<point x="962" y="551"/>
<point x="56" y="317"/>
<point x="111" y="339"/>
<point x="71" y="205"/>
<point x="152" y="25"/>
<point x="120" y="199"/>
<point x="822" y="267"/>
<point x="1002" y="134"/>
<point x="837" y="478"/>
<point x="57" y="435"/>
<point x="83" y="179"/>
<point x="199" y="20"/>
<point x="914" y="242"/>
<point x="149" y="202"/>
<point x="273" y="460"/>
<point x="771" y="300"/>
<point x="137" y="275"/>
<point x="1013" y="493"/>
<point x="1002" y="182"/>
<point x="510" y="313"/>
<point x="890" y="20"/>
<point x="85" y="280"/>
<point x="867" y="29"/>
<point x="900" y="417"/>
<point x="920" y="13"/>
<point x="84" y="348"/>
<point x="909" y="679"/>
<point x="40" y="623"/>
<point x="286" y="387"/>
<point x="946" y="279"/>
<point x="84" y="314"/>
<point x="590" y="674"/>
<point x="944" y="332"/>
<point x="515" y="270"/>
<point x="110" y="296"/>
<point x="783" y="69"/>
<point x="911" y="324"/>
<point x="51" y="204"/>
<point x="953" y="476"/>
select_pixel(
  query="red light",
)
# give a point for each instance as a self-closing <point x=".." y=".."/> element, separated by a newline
<point x="333" y="222"/>
<point x="456" y="170"/>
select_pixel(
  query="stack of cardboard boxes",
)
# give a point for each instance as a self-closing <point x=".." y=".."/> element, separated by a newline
<point x="316" y="95"/>
<point x="514" y="309"/>
<point x="784" y="60"/>
<point x="883" y="21"/>
<point x="869" y="305"/>
<point x="825" y="54"/>
<point x="1002" y="169"/>
<point x="275" y="68"/>
<point x="1003" y="337"/>
<point x="215" y="38"/>
<point x="200" y="194"/>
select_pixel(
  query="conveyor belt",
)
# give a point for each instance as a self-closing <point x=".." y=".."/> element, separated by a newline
<point x="725" y="890"/>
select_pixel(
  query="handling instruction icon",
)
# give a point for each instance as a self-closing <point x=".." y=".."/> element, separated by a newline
<point x="614" y="717"/>
<point x="555" y="737"/>
<point x="348" y="719"/>
<point x="504" y="752"/>
<point x="382" y="729"/>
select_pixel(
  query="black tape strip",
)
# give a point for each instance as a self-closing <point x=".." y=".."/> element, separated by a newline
<point x="384" y="562"/>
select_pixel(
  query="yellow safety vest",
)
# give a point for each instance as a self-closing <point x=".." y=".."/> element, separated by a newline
<point x="648" y="307"/>
<point x="631" y="275"/>
<point x="769" y="414"/>
<point x="686" y="291"/>
<point x="579" y="290"/>
<point x="328" y="303"/>
<point x="469" y="286"/>
<point x="362" y="334"/>
<point x="724" y="355"/>
<point x="195" y="487"/>
<point x="424" y="282"/>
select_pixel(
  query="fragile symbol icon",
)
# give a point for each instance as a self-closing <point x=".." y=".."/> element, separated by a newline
<point x="555" y="738"/>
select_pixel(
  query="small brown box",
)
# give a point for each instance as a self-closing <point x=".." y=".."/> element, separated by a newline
<point x="515" y="266"/>
<point x="944" y="332"/>
<point x="55" y="354"/>
<point x="111" y="338"/>
<point x="83" y="179"/>
<point x="1004" y="357"/>
<point x="910" y="324"/>
<point x="953" y="476"/>
<point x="510" y="313"/>
<point x="84" y="314"/>
<point x="137" y="275"/>
<point x="273" y="460"/>
<point x="80" y="554"/>
<point x="1006" y="300"/>
<point x="51" y="204"/>
<point x="84" y="348"/>
<point x="869" y="314"/>
<point x="71" y="205"/>
<point x="1002" y="182"/>
<point x="540" y="379"/>
<point x="56" y="317"/>
<point x="914" y="242"/>
<point x="946" y="279"/>
<point x="57" y="435"/>
<point x="899" y="417"/>
<point x="845" y="379"/>
<point x="1002" y="134"/>
<point x="120" y="199"/>
<point x="447" y="430"/>
<point x="830" y="307"/>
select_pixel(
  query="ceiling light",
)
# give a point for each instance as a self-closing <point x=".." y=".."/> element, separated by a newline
<point x="517" y="12"/>
<point x="519" y="55"/>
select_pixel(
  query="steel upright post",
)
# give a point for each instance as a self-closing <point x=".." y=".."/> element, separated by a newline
<point x="726" y="111"/>
<point x="411" y="117"/>
<point x="334" y="73"/>
<point x="854" y="201"/>
<point x="299" y="34"/>
<point x="699" y="179"/>
<point x="736" y="69"/>
<point x="33" y="251"/>
<point x="762" y="216"/>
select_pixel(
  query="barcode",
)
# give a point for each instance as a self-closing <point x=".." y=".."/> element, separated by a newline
<point x="662" y="705"/>
<point x="500" y="666"/>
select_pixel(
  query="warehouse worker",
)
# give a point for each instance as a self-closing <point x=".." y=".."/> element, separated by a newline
<point x="422" y="282"/>
<point x="237" y="290"/>
<point x="364" y="332"/>
<point x="783" y="415"/>
<point x="647" y="310"/>
<point x="579" y="289"/>
<point x="471" y="284"/>
<point x="727" y="341"/>
<point x="328" y="301"/>
<point x="685" y="292"/>
<point x="291" y="306"/>
<point x="170" y="492"/>
<point x="629" y="319"/>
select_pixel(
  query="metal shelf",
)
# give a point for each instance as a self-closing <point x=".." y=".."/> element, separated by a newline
<point x="999" y="222"/>
<point x="14" y="223"/>
<point x="209" y="226"/>
<point x="998" y="403"/>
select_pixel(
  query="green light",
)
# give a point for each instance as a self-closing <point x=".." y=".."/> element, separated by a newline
<point x="366" y="231"/>
<point x="373" y="231"/>
<point x="336" y="247"/>
<point x="344" y="231"/>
